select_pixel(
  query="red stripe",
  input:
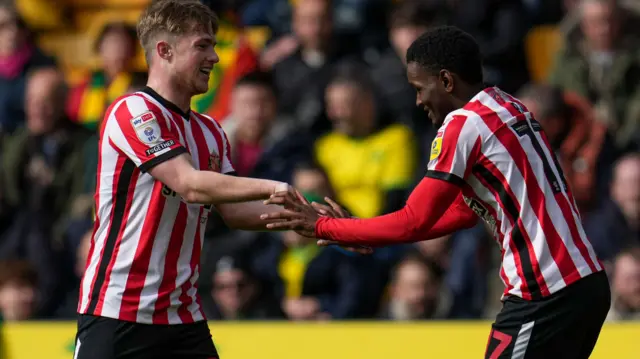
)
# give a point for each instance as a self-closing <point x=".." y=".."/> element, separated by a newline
<point x="227" y="147"/>
<point x="532" y="254"/>
<point x="524" y="288"/>
<point x="96" y="197"/>
<point x="185" y="298"/>
<point x="563" y="203"/>
<point x="116" y="249"/>
<point x="215" y="129"/>
<point x="140" y="264"/>
<point x="475" y="153"/>
<point x="123" y="117"/>
<point x="168" y="284"/>
<point x="201" y="142"/>
<point x="449" y="141"/>
<point x="114" y="187"/>
<point x="535" y="194"/>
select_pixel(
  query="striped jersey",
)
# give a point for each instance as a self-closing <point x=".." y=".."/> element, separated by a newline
<point x="144" y="259"/>
<point x="497" y="152"/>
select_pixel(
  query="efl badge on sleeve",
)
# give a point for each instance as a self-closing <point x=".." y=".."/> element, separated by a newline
<point x="147" y="128"/>
<point x="215" y="164"/>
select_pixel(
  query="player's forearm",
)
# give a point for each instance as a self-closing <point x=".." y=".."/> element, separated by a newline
<point x="215" y="188"/>
<point x="246" y="215"/>
<point x="413" y="223"/>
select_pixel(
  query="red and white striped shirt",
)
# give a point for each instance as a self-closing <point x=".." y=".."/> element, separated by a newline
<point x="144" y="259"/>
<point x="510" y="177"/>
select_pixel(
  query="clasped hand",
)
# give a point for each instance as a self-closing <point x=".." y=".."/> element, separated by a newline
<point x="301" y="216"/>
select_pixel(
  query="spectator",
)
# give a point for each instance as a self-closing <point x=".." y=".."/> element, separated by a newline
<point x="499" y="27"/>
<point x="408" y="20"/>
<point x="18" y="283"/>
<point x="18" y="55"/>
<point x="415" y="290"/>
<point x="626" y="286"/>
<point x="600" y="63"/>
<point x="369" y="161"/>
<point x="616" y="224"/>
<point x="581" y="143"/>
<point x="253" y="126"/>
<point x="116" y="45"/>
<point x="238" y="295"/>
<point x="301" y="77"/>
<point x="42" y="162"/>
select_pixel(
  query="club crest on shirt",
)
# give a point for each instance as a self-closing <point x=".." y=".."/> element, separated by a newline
<point x="215" y="164"/>
<point x="147" y="128"/>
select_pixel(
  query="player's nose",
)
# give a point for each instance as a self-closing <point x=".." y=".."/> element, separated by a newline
<point x="213" y="57"/>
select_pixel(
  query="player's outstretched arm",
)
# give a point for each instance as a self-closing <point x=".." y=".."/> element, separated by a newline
<point x="246" y="215"/>
<point x="208" y="187"/>
<point x="426" y="205"/>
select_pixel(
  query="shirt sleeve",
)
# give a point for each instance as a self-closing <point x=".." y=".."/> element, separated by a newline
<point x="142" y="133"/>
<point x="454" y="150"/>
<point x="227" y="165"/>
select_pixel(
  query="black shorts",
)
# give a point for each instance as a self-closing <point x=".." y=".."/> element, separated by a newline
<point x="106" y="338"/>
<point x="565" y="325"/>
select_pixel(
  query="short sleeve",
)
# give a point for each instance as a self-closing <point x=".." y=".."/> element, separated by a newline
<point x="455" y="150"/>
<point x="141" y="132"/>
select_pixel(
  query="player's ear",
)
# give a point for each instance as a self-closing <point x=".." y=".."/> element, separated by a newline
<point x="447" y="80"/>
<point x="164" y="50"/>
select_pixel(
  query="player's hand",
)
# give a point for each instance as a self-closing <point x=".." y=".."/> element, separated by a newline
<point x="285" y="195"/>
<point x="332" y="210"/>
<point x="297" y="215"/>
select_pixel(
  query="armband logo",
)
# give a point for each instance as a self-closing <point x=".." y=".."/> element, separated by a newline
<point x="147" y="128"/>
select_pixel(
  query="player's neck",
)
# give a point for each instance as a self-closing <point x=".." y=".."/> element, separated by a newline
<point x="171" y="93"/>
<point x="467" y="92"/>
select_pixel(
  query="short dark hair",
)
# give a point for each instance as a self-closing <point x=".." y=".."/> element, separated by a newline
<point x="448" y="48"/>
<point x="352" y="73"/>
<point x="257" y="78"/>
<point x="416" y="13"/>
<point x="122" y="27"/>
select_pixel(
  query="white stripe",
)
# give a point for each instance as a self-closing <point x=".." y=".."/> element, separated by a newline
<point x="153" y="279"/>
<point x="140" y="202"/>
<point x="107" y="171"/>
<point x="184" y="261"/>
<point x="532" y="223"/>
<point x="522" y="342"/>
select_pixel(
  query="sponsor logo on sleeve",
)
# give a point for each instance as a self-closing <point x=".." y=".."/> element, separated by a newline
<point x="147" y="128"/>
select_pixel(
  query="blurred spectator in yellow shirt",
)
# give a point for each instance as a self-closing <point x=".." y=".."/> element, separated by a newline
<point x="369" y="161"/>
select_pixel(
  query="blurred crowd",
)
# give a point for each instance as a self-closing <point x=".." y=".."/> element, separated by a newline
<point x="325" y="106"/>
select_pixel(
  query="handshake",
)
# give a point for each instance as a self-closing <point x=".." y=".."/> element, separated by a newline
<point x="297" y="214"/>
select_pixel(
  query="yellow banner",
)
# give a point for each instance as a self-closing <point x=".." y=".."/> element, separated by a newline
<point x="375" y="340"/>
